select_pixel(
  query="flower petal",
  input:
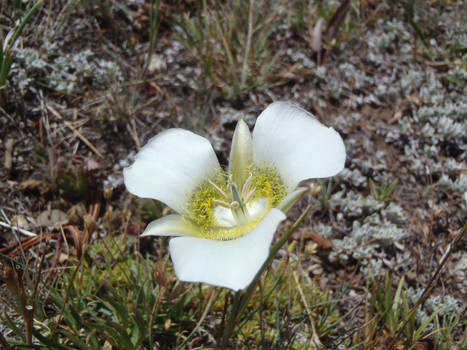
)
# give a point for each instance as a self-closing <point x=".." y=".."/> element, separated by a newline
<point x="170" y="167"/>
<point x="297" y="144"/>
<point x="241" y="154"/>
<point x="171" y="225"/>
<point x="232" y="264"/>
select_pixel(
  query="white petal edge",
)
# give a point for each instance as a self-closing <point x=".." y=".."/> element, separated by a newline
<point x="170" y="167"/>
<point x="231" y="264"/>
<point x="171" y="225"/>
<point x="297" y="144"/>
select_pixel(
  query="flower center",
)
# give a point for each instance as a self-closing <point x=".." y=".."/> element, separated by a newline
<point x="224" y="211"/>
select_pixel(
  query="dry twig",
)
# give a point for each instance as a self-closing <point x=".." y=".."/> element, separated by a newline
<point x="70" y="126"/>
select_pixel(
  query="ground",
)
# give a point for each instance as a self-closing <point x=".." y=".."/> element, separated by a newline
<point x="91" y="82"/>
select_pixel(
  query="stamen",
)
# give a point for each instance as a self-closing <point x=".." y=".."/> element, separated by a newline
<point x="246" y="186"/>
<point x="249" y="195"/>
<point x="222" y="203"/>
<point x="218" y="189"/>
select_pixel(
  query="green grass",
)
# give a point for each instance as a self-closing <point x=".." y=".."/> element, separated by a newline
<point x="6" y="47"/>
<point x="231" y="43"/>
<point x="116" y="298"/>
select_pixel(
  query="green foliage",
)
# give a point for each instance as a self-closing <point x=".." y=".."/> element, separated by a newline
<point x="115" y="298"/>
<point x="73" y="185"/>
<point x="390" y="308"/>
<point x="382" y="193"/>
<point x="5" y="47"/>
<point x="230" y="40"/>
<point x="325" y="192"/>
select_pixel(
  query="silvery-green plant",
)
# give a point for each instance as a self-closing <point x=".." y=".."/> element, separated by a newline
<point x="8" y="43"/>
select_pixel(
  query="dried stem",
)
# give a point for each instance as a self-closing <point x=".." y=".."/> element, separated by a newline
<point x="248" y="45"/>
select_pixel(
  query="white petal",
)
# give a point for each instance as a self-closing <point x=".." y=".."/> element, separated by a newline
<point x="257" y="208"/>
<point x="297" y="144"/>
<point x="170" y="167"/>
<point x="232" y="264"/>
<point x="224" y="217"/>
<point x="171" y="225"/>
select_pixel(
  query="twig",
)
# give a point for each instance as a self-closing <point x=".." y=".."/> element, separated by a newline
<point x="23" y="231"/>
<point x="4" y="343"/>
<point x="8" y="154"/>
<point x="67" y="295"/>
<point x="201" y="320"/>
<point x="28" y="314"/>
<point x="316" y="342"/>
<point x="69" y="125"/>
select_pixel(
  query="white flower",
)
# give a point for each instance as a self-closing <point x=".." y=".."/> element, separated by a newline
<point x="227" y="220"/>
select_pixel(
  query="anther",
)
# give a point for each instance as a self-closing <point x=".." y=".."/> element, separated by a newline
<point x="218" y="189"/>
<point x="246" y="186"/>
<point x="222" y="203"/>
<point x="249" y="195"/>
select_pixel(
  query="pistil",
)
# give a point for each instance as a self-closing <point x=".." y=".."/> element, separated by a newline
<point x="238" y="207"/>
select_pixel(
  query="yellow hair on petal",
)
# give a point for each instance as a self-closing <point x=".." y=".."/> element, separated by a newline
<point x="268" y="184"/>
<point x="226" y="234"/>
<point x="201" y="204"/>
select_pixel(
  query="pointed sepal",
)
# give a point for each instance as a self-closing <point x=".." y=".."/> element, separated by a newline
<point x="241" y="154"/>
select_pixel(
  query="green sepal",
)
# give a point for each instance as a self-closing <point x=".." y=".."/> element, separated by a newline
<point x="289" y="201"/>
<point x="241" y="154"/>
<point x="171" y="225"/>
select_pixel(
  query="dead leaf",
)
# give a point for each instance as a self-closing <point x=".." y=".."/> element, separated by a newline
<point x="31" y="185"/>
<point x="135" y="227"/>
<point x="395" y="117"/>
<point x="336" y="20"/>
<point x="322" y="242"/>
<point x="52" y="218"/>
<point x="76" y="213"/>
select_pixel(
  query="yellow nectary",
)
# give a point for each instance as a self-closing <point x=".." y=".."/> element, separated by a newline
<point x="263" y="186"/>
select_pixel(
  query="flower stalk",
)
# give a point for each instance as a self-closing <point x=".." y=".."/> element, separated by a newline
<point x="241" y="298"/>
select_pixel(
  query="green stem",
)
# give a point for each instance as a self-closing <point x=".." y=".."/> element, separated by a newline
<point x="232" y="319"/>
<point x="241" y="298"/>
<point x="275" y="248"/>
<point x="25" y="20"/>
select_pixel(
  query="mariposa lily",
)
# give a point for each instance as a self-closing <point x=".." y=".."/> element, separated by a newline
<point x="226" y="220"/>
